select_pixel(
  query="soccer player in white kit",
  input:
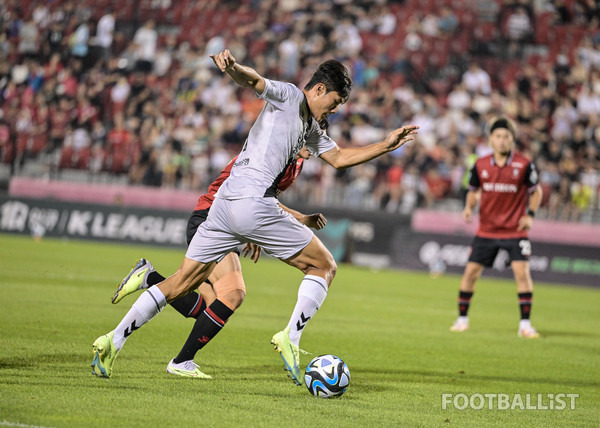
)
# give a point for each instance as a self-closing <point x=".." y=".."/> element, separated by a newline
<point x="246" y="209"/>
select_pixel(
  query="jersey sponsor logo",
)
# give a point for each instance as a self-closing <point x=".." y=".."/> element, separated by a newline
<point x="500" y="187"/>
<point x="517" y="164"/>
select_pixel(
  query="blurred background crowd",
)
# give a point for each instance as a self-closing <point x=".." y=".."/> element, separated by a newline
<point x="124" y="91"/>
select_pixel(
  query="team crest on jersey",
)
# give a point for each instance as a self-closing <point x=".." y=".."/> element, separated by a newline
<point x="515" y="172"/>
<point x="484" y="174"/>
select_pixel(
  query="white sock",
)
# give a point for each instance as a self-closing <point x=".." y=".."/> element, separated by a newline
<point x="311" y="295"/>
<point x="146" y="307"/>
<point x="463" y="319"/>
<point x="524" y="323"/>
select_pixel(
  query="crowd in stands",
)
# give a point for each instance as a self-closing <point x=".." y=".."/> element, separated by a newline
<point x="127" y="89"/>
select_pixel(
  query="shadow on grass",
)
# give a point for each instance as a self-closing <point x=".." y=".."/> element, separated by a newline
<point x="439" y="377"/>
<point x="568" y="333"/>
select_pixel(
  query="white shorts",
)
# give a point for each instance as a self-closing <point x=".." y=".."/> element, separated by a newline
<point x="257" y="220"/>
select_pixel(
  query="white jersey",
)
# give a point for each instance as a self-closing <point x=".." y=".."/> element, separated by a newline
<point x="283" y="127"/>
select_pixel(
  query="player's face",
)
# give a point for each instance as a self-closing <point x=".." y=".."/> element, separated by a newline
<point x="502" y="141"/>
<point x="326" y="104"/>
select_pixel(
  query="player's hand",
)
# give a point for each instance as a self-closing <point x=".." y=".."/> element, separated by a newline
<point x="224" y="60"/>
<point x="467" y="215"/>
<point x="525" y="223"/>
<point x="316" y="221"/>
<point x="252" y="249"/>
<point x="398" y="137"/>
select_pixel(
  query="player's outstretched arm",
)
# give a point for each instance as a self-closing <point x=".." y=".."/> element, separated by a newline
<point x="347" y="157"/>
<point x="316" y="221"/>
<point x="244" y="76"/>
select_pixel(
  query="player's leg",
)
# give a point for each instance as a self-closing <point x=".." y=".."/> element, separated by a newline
<point x="319" y="267"/>
<point x="147" y="306"/>
<point x="229" y="289"/>
<point x="483" y="253"/>
<point x="519" y="251"/>
<point x="143" y="275"/>
<point x="525" y="295"/>
<point x="465" y="293"/>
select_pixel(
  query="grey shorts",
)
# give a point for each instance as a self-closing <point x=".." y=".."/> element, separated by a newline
<point x="257" y="220"/>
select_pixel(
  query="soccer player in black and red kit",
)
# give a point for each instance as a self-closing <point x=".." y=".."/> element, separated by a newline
<point x="506" y="185"/>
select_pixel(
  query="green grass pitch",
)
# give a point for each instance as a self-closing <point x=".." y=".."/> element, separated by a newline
<point x="391" y="328"/>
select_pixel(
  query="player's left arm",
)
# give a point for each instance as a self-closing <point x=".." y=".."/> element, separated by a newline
<point x="535" y="198"/>
<point x="316" y="221"/>
<point x="344" y="158"/>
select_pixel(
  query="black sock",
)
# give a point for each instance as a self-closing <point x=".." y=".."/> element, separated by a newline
<point x="525" y="304"/>
<point x="464" y="300"/>
<point x="154" y="278"/>
<point x="190" y="306"/>
<point x="207" y="326"/>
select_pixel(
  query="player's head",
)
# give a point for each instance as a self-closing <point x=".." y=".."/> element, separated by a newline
<point x="329" y="86"/>
<point x="501" y="131"/>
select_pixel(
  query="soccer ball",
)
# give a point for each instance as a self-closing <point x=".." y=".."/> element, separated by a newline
<point x="327" y="376"/>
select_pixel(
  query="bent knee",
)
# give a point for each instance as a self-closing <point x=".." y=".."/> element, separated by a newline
<point x="231" y="289"/>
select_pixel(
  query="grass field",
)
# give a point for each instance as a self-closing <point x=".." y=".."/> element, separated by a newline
<point x="391" y="328"/>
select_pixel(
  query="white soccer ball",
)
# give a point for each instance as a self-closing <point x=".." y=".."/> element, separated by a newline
<point x="327" y="376"/>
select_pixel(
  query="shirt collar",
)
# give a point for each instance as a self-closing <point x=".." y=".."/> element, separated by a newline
<point x="305" y="112"/>
<point x="508" y="161"/>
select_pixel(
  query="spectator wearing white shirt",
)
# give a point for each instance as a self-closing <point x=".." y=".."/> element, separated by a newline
<point x="477" y="79"/>
<point x="104" y="34"/>
<point x="145" y="39"/>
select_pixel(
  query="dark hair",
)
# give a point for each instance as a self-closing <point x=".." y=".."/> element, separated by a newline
<point x="334" y="75"/>
<point x="502" y="122"/>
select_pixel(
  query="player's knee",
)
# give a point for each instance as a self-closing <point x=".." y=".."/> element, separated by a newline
<point x="234" y="299"/>
<point x="329" y="268"/>
<point x="231" y="289"/>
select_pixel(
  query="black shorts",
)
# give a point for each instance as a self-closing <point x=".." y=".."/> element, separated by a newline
<point x="485" y="250"/>
<point x="196" y="219"/>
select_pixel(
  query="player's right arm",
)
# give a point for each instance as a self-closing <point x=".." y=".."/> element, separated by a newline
<point x="471" y="202"/>
<point x="244" y="76"/>
<point x="472" y="195"/>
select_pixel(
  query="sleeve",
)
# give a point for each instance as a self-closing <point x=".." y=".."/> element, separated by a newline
<point x="279" y="94"/>
<point x="531" y="176"/>
<point x="318" y="142"/>
<point x="474" y="182"/>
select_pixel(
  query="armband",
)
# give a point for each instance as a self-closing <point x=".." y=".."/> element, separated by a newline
<point x="531" y="213"/>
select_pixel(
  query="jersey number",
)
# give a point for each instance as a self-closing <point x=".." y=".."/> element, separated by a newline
<point x="525" y="245"/>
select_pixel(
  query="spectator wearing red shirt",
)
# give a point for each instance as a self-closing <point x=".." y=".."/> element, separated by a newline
<point x="506" y="185"/>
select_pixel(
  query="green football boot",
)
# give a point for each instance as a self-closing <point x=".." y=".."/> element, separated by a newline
<point x="135" y="280"/>
<point x="105" y="353"/>
<point x="186" y="369"/>
<point x="290" y="354"/>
